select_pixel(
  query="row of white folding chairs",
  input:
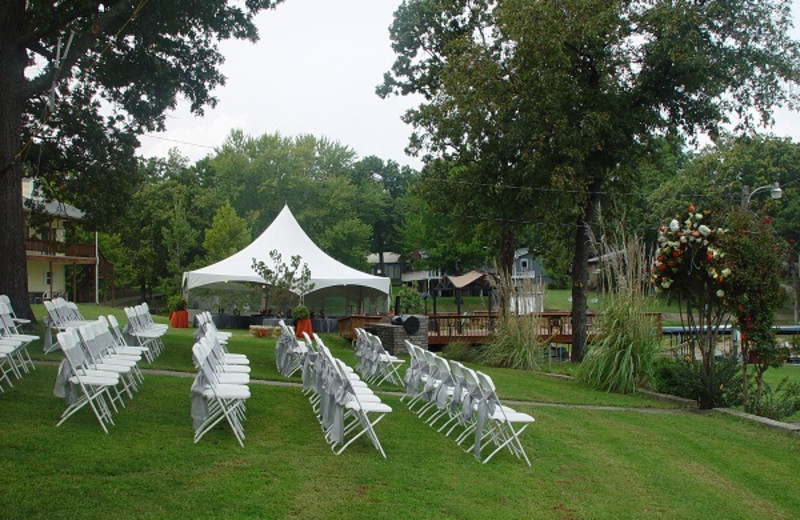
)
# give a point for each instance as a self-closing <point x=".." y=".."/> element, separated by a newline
<point x="290" y="353"/>
<point x="14" y="357"/>
<point x="17" y="320"/>
<point x="345" y="406"/>
<point x="220" y="388"/>
<point x="144" y="330"/>
<point x="375" y="364"/>
<point x="205" y="323"/>
<point x="467" y="402"/>
<point x="61" y="315"/>
<point x="97" y="371"/>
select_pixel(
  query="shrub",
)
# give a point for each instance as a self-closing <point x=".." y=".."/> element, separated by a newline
<point x="776" y="404"/>
<point x="176" y="303"/>
<point x="410" y="300"/>
<point x="300" y="312"/>
<point x="461" y="351"/>
<point x="683" y="378"/>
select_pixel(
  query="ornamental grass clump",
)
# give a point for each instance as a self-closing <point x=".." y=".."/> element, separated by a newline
<point x="517" y="342"/>
<point x="621" y="357"/>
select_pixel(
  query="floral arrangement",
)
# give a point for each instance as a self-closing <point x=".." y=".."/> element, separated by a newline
<point x="689" y="254"/>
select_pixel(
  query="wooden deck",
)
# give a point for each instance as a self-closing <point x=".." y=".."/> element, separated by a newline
<point x="477" y="328"/>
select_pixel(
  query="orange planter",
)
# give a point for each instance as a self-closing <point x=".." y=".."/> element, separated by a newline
<point x="301" y="326"/>
<point x="179" y="319"/>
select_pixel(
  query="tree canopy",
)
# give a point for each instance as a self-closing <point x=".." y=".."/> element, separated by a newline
<point x="542" y="109"/>
<point x="79" y="82"/>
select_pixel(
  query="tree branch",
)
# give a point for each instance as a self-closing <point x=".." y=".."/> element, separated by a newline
<point x="115" y="16"/>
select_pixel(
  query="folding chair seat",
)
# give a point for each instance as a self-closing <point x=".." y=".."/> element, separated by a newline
<point x="95" y="385"/>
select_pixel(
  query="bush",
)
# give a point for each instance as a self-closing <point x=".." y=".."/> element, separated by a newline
<point x="682" y="377"/>
<point x="460" y="351"/>
<point x="776" y="404"/>
<point x="301" y="312"/>
<point x="410" y="300"/>
<point x="176" y="303"/>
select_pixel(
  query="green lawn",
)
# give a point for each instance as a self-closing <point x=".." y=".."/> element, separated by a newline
<point x="586" y="463"/>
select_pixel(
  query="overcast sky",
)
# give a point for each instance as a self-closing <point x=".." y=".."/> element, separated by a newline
<point x="314" y="71"/>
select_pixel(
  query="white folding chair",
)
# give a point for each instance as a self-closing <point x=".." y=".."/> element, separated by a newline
<point x="9" y="332"/>
<point x="120" y="344"/>
<point x="18" y="321"/>
<point x="94" y="385"/>
<point x="223" y="401"/>
<point x="97" y="359"/>
<point x="502" y="426"/>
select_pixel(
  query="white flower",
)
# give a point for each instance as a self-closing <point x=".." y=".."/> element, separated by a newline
<point x="704" y="230"/>
<point x="665" y="283"/>
<point x="720" y="293"/>
<point x="698" y="216"/>
<point x="674" y="226"/>
<point x="726" y="272"/>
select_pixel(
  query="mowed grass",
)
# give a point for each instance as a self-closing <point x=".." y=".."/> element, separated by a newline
<point x="586" y="463"/>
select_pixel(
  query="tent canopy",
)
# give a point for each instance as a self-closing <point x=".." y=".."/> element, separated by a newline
<point x="287" y="237"/>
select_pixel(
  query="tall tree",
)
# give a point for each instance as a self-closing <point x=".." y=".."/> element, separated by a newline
<point x="227" y="235"/>
<point x="102" y="72"/>
<point x="559" y="99"/>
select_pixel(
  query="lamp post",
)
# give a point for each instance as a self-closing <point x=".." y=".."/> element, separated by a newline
<point x="775" y="192"/>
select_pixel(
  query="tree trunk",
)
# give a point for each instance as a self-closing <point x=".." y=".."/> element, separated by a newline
<point x="580" y="273"/>
<point x="505" y="260"/>
<point x="13" y="268"/>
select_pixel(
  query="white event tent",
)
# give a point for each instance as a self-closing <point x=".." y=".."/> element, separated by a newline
<point x="329" y="276"/>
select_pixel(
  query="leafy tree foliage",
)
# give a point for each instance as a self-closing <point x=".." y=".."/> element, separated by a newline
<point x="539" y="109"/>
<point x="345" y="206"/>
<point x="227" y="234"/>
<point x="79" y="82"/>
<point x="754" y="293"/>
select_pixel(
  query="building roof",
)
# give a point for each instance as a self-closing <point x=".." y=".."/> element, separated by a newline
<point x="52" y="207"/>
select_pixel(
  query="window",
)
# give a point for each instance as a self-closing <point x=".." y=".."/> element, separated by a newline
<point x="47" y="278"/>
<point x="523" y="264"/>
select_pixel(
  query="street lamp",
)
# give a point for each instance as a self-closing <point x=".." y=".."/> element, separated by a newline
<point x="775" y="192"/>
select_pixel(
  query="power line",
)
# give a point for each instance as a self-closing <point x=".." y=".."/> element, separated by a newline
<point x="151" y="136"/>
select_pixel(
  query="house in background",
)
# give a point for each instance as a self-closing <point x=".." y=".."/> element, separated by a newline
<point x="526" y="267"/>
<point x="52" y="260"/>
<point x="393" y="266"/>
